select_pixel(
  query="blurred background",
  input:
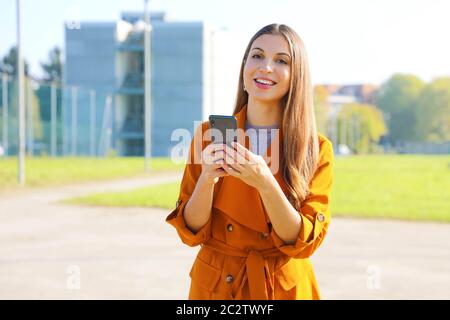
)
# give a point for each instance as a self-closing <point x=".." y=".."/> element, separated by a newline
<point x="106" y="83"/>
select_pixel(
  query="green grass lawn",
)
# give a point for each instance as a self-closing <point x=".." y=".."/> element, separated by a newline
<point x="374" y="186"/>
<point x="56" y="171"/>
<point x="410" y="187"/>
<point x="163" y="196"/>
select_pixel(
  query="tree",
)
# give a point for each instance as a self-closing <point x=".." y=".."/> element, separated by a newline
<point x="433" y="111"/>
<point x="33" y="101"/>
<point x="321" y="107"/>
<point x="397" y="99"/>
<point x="53" y="67"/>
<point x="8" y="63"/>
<point x="361" y="126"/>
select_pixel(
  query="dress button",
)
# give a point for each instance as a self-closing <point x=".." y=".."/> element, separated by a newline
<point x="264" y="235"/>
<point x="229" y="278"/>
<point x="230" y="227"/>
<point x="320" y="217"/>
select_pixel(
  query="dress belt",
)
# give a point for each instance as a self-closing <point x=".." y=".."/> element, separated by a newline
<point x="255" y="264"/>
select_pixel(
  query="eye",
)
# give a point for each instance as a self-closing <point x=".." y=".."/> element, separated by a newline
<point x="282" y="61"/>
<point x="256" y="56"/>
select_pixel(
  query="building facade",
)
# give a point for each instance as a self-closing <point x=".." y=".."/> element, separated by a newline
<point x="108" y="59"/>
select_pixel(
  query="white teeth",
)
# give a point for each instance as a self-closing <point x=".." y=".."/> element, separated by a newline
<point x="265" y="81"/>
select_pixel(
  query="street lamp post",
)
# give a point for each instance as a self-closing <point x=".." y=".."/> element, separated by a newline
<point x="5" y="112"/>
<point x="147" y="88"/>
<point x="53" y="117"/>
<point x="20" y="99"/>
<point x="93" y="121"/>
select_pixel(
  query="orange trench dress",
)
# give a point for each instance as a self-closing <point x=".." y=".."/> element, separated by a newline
<point x="241" y="256"/>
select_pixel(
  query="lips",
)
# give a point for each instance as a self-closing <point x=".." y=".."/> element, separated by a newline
<point x="264" y="84"/>
<point x="265" y="81"/>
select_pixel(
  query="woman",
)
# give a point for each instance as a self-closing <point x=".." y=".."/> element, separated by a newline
<point x="257" y="225"/>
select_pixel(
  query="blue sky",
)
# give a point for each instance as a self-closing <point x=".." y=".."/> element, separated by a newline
<point x="348" y="41"/>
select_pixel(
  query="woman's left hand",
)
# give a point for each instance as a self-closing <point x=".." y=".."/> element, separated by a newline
<point x="247" y="166"/>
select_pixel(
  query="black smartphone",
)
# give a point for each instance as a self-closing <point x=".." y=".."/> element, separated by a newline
<point x="223" y="129"/>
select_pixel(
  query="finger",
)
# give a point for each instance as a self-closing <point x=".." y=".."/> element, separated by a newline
<point x="232" y="169"/>
<point x="239" y="167"/>
<point x="251" y="158"/>
<point x="240" y="158"/>
<point x="228" y="155"/>
<point x="211" y="148"/>
<point x="243" y="151"/>
<point x="229" y="158"/>
<point x="214" y="148"/>
<point x="218" y="155"/>
<point x="218" y="164"/>
<point x="234" y="155"/>
<point x="210" y="157"/>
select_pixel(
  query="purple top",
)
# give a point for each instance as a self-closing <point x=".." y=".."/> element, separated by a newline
<point x="260" y="137"/>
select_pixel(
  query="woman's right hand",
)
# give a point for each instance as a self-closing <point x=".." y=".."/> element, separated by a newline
<point x="212" y="161"/>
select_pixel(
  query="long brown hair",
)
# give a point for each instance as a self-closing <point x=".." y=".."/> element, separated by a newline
<point x="300" y="140"/>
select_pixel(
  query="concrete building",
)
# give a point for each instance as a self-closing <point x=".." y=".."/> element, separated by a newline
<point x="362" y="93"/>
<point x="90" y="59"/>
<point x="109" y="58"/>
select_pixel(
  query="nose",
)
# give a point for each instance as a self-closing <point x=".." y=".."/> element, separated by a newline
<point x="266" y="66"/>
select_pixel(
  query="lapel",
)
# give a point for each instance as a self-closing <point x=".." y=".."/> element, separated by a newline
<point x="237" y="199"/>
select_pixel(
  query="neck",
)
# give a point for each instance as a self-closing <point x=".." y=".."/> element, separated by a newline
<point x="262" y="113"/>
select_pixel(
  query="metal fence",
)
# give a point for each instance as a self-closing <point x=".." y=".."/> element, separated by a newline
<point x="82" y="121"/>
<point x="60" y="120"/>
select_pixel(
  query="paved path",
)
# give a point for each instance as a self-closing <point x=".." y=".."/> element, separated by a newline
<point x="133" y="254"/>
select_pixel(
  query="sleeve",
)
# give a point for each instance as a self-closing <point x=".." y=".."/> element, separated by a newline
<point x="314" y="210"/>
<point x="191" y="174"/>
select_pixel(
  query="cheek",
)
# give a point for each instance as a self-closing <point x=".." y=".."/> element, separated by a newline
<point x="286" y="76"/>
<point x="249" y="69"/>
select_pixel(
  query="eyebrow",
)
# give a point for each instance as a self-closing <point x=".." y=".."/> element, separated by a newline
<point x="279" y="53"/>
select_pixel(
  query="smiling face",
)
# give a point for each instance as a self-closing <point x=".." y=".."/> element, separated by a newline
<point x="267" y="70"/>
